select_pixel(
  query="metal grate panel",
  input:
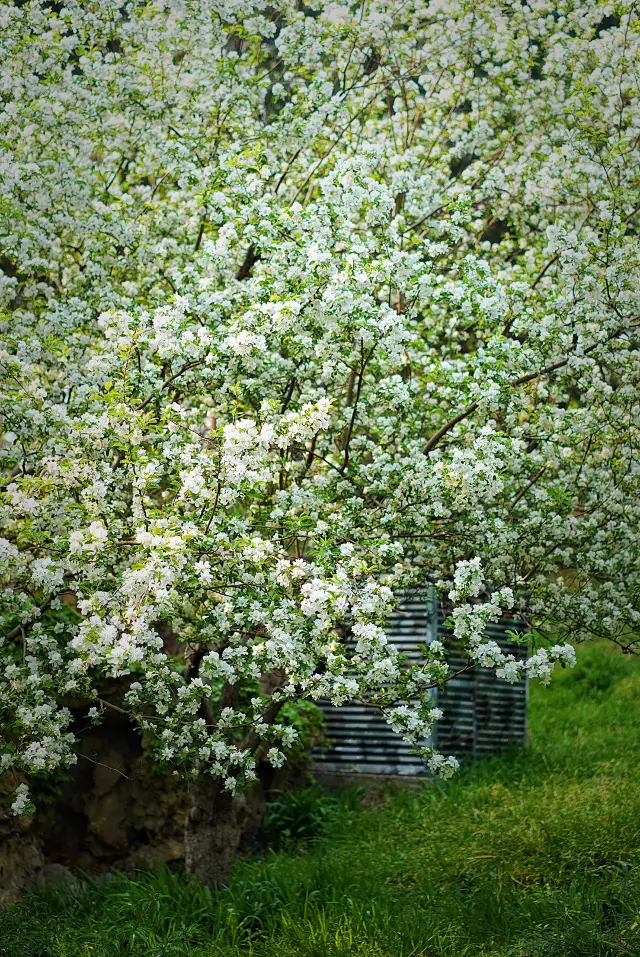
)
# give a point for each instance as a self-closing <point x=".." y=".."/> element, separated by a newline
<point x="481" y="713"/>
<point x="363" y="743"/>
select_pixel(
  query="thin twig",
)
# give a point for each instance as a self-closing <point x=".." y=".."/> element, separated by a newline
<point x="521" y="494"/>
<point x="107" y="766"/>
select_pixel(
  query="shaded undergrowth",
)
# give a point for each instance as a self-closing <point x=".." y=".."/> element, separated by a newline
<point x="534" y="854"/>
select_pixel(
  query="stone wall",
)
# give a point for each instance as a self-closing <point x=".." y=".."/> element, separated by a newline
<point x="112" y="810"/>
<point x="21" y="855"/>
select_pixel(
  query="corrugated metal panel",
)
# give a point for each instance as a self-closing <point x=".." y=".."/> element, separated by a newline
<point x="362" y="740"/>
<point x="481" y="714"/>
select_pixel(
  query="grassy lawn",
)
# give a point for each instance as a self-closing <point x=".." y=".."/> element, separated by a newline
<point x="533" y="855"/>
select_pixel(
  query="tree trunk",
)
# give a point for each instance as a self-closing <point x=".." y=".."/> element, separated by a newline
<point x="213" y="830"/>
<point x="216" y="819"/>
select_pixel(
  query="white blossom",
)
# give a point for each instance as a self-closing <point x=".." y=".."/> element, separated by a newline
<point x="278" y="346"/>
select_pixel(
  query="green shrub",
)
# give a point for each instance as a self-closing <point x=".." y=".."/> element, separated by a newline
<point x="304" y="815"/>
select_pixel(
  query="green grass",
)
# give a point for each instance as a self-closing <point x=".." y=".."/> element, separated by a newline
<point x="532" y="855"/>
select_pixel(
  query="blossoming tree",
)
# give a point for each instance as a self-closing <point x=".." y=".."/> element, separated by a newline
<point x="305" y="305"/>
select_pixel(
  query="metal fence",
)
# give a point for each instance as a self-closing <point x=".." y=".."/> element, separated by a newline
<point x="481" y="713"/>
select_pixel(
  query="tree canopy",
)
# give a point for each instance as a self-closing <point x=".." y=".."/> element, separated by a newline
<point x="305" y="305"/>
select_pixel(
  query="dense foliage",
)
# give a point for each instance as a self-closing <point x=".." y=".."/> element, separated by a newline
<point x="304" y="305"/>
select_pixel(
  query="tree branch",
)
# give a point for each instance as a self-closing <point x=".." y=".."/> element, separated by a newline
<point x="522" y="380"/>
<point x="435" y="438"/>
<point x="250" y="259"/>
<point x="347" y="443"/>
<point x="521" y="494"/>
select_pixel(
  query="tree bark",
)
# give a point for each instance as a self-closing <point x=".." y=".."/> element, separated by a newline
<point x="213" y="830"/>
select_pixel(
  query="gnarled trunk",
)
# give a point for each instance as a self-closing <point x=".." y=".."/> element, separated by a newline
<point x="213" y="830"/>
<point x="216" y="819"/>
